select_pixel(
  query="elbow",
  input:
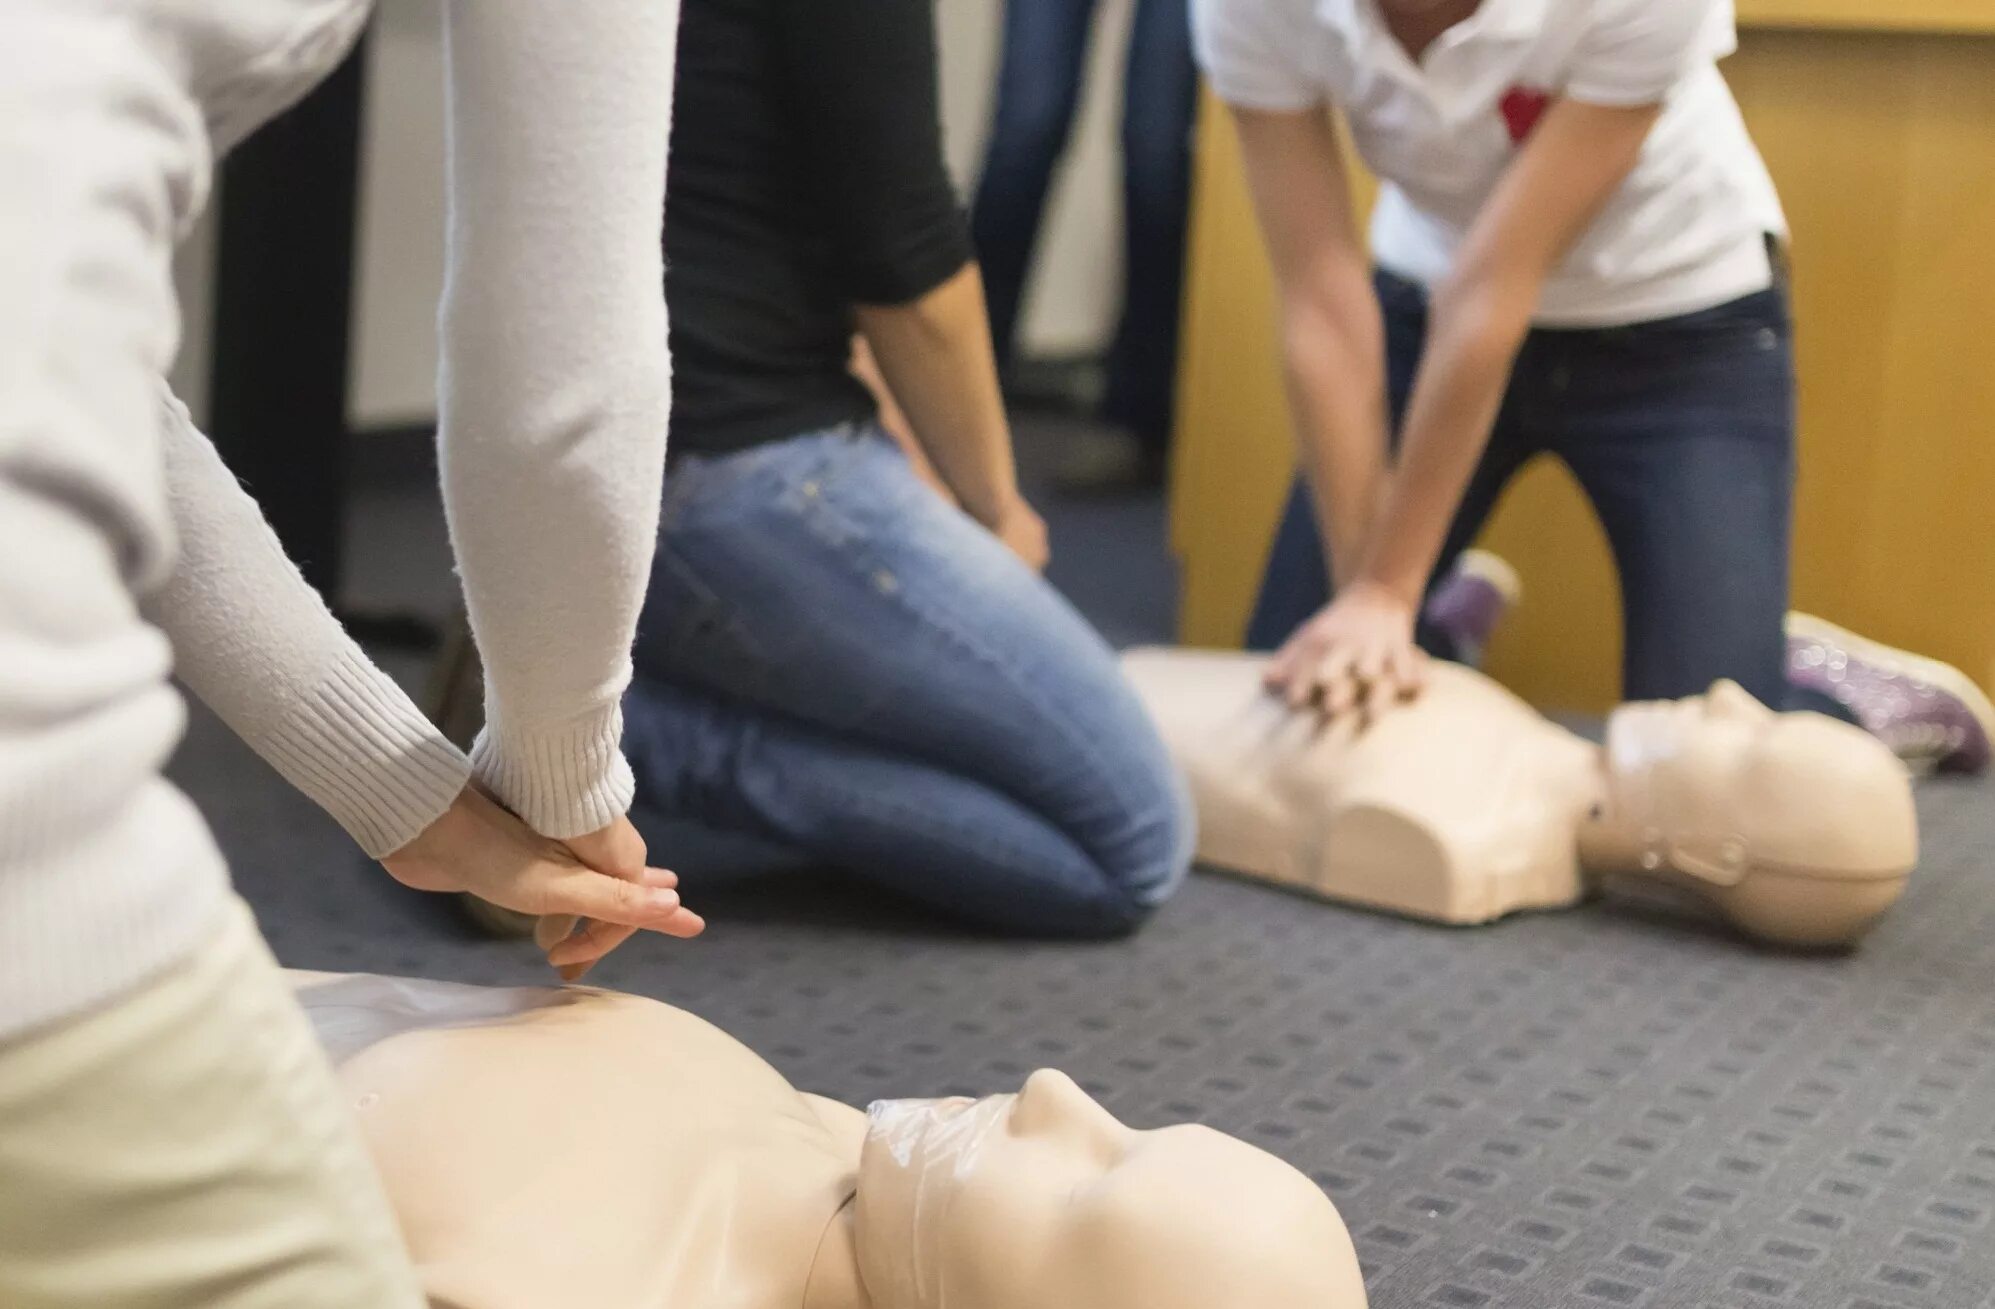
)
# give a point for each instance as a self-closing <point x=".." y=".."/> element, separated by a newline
<point x="934" y="313"/>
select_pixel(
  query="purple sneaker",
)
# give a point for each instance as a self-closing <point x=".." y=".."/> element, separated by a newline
<point x="1931" y="714"/>
<point x="1471" y="600"/>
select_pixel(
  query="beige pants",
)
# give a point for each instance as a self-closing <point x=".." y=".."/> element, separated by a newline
<point x="188" y="1148"/>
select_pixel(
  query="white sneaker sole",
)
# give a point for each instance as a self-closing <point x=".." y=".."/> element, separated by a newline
<point x="1493" y="569"/>
<point x="1904" y="663"/>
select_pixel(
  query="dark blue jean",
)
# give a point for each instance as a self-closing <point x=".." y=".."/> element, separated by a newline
<point x="1681" y="433"/>
<point x="834" y="660"/>
<point x="1039" y="81"/>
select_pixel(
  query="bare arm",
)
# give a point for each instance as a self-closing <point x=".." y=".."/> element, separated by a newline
<point x="893" y="421"/>
<point x="1333" y="352"/>
<point x="1359" y="650"/>
<point x="935" y="356"/>
<point x="1574" y="162"/>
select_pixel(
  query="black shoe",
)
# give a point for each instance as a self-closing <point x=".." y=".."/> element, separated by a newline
<point x="1110" y="463"/>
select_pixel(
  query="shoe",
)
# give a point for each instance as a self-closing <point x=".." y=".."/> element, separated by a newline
<point x="1101" y="462"/>
<point x="1471" y="600"/>
<point x="1931" y="714"/>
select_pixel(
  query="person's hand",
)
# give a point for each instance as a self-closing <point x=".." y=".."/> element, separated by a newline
<point x="479" y="848"/>
<point x="1358" y="653"/>
<point x="619" y="851"/>
<point x="1023" y="532"/>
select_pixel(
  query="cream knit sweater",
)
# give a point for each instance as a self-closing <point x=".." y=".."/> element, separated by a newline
<point x="126" y="549"/>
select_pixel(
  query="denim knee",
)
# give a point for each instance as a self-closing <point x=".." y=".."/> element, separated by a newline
<point x="1149" y="863"/>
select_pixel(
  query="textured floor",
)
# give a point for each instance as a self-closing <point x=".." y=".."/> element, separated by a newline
<point x="1612" y="1107"/>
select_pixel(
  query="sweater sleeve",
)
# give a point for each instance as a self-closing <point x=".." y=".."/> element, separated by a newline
<point x="555" y="380"/>
<point x="260" y="648"/>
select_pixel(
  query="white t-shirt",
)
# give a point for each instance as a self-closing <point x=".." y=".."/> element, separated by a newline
<point x="1687" y="229"/>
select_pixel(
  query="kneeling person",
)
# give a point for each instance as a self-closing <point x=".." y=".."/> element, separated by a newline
<point x="833" y="656"/>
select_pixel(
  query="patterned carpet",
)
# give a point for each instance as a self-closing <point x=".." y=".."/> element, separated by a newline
<point x="1609" y="1108"/>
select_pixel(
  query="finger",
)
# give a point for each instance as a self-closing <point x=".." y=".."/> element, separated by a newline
<point x="1407" y="669"/>
<point x="552" y="929"/>
<point x="1368" y="676"/>
<point x="588" y="947"/>
<point x="1307" y="683"/>
<point x="583" y="893"/>
<point x="1340" y="685"/>
<point x="1280" y="668"/>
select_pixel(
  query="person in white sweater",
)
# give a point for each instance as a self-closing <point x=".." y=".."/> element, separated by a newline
<point x="168" y="1134"/>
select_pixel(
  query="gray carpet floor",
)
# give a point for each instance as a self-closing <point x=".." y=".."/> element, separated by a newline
<point x="1617" y="1106"/>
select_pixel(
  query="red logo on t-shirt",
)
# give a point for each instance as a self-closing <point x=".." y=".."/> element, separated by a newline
<point x="1522" y="108"/>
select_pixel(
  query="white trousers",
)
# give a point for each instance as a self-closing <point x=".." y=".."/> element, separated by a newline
<point x="188" y="1148"/>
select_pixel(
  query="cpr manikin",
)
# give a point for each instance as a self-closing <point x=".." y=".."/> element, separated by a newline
<point x="1465" y="804"/>
<point x="545" y="1149"/>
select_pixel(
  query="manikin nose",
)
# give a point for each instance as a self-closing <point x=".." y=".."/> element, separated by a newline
<point x="1052" y="1104"/>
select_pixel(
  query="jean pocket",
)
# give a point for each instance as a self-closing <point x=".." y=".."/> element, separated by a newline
<point x="696" y="636"/>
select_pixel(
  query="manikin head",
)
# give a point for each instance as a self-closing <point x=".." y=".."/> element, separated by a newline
<point x="1798" y="827"/>
<point x="1043" y="1198"/>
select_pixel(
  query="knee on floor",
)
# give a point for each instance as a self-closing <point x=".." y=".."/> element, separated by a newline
<point x="1149" y="860"/>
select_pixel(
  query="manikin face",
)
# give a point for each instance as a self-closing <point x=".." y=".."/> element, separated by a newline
<point x="1718" y="782"/>
<point x="1043" y="1198"/>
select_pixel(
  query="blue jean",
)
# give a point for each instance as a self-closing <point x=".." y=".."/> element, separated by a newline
<point x="834" y="660"/>
<point x="1681" y="433"/>
<point x="1039" y="80"/>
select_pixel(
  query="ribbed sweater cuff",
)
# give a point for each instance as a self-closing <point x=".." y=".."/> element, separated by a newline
<point x="366" y="755"/>
<point x="566" y="780"/>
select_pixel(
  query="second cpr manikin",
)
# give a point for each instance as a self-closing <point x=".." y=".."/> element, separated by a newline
<point x="579" y="1148"/>
<point x="1465" y="804"/>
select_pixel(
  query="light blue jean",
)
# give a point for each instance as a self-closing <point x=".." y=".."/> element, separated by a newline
<point x="834" y="660"/>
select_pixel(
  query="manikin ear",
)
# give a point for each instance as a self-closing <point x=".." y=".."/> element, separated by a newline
<point x="1720" y="861"/>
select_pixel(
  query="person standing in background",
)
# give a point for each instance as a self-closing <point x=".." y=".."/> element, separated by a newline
<point x="1038" y="89"/>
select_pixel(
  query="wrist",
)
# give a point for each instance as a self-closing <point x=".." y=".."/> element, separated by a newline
<point x="992" y="505"/>
<point x="1401" y="590"/>
<point x="562" y="779"/>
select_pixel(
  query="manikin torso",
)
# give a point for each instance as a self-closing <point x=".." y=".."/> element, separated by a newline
<point x="1462" y="805"/>
<point x="1465" y="804"/>
<point x="551" y="1149"/>
<point x="508" y="1124"/>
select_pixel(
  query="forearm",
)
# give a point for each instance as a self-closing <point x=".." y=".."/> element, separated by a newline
<point x="1477" y="329"/>
<point x="259" y="647"/>
<point x="1333" y="355"/>
<point x="555" y="381"/>
<point x="935" y="354"/>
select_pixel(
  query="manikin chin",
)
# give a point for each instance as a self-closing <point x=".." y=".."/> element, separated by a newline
<point x="1465" y="804"/>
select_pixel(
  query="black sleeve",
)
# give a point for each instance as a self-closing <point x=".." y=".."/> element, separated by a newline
<point x="861" y="84"/>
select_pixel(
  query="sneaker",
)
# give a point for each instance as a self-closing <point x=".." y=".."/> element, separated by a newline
<point x="1931" y="714"/>
<point x="1471" y="600"/>
<point x="1105" y="462"/>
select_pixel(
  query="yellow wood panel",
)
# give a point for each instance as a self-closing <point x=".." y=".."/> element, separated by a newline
<point x="1884" y="148"/>
<point x="1873" y="15"/>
